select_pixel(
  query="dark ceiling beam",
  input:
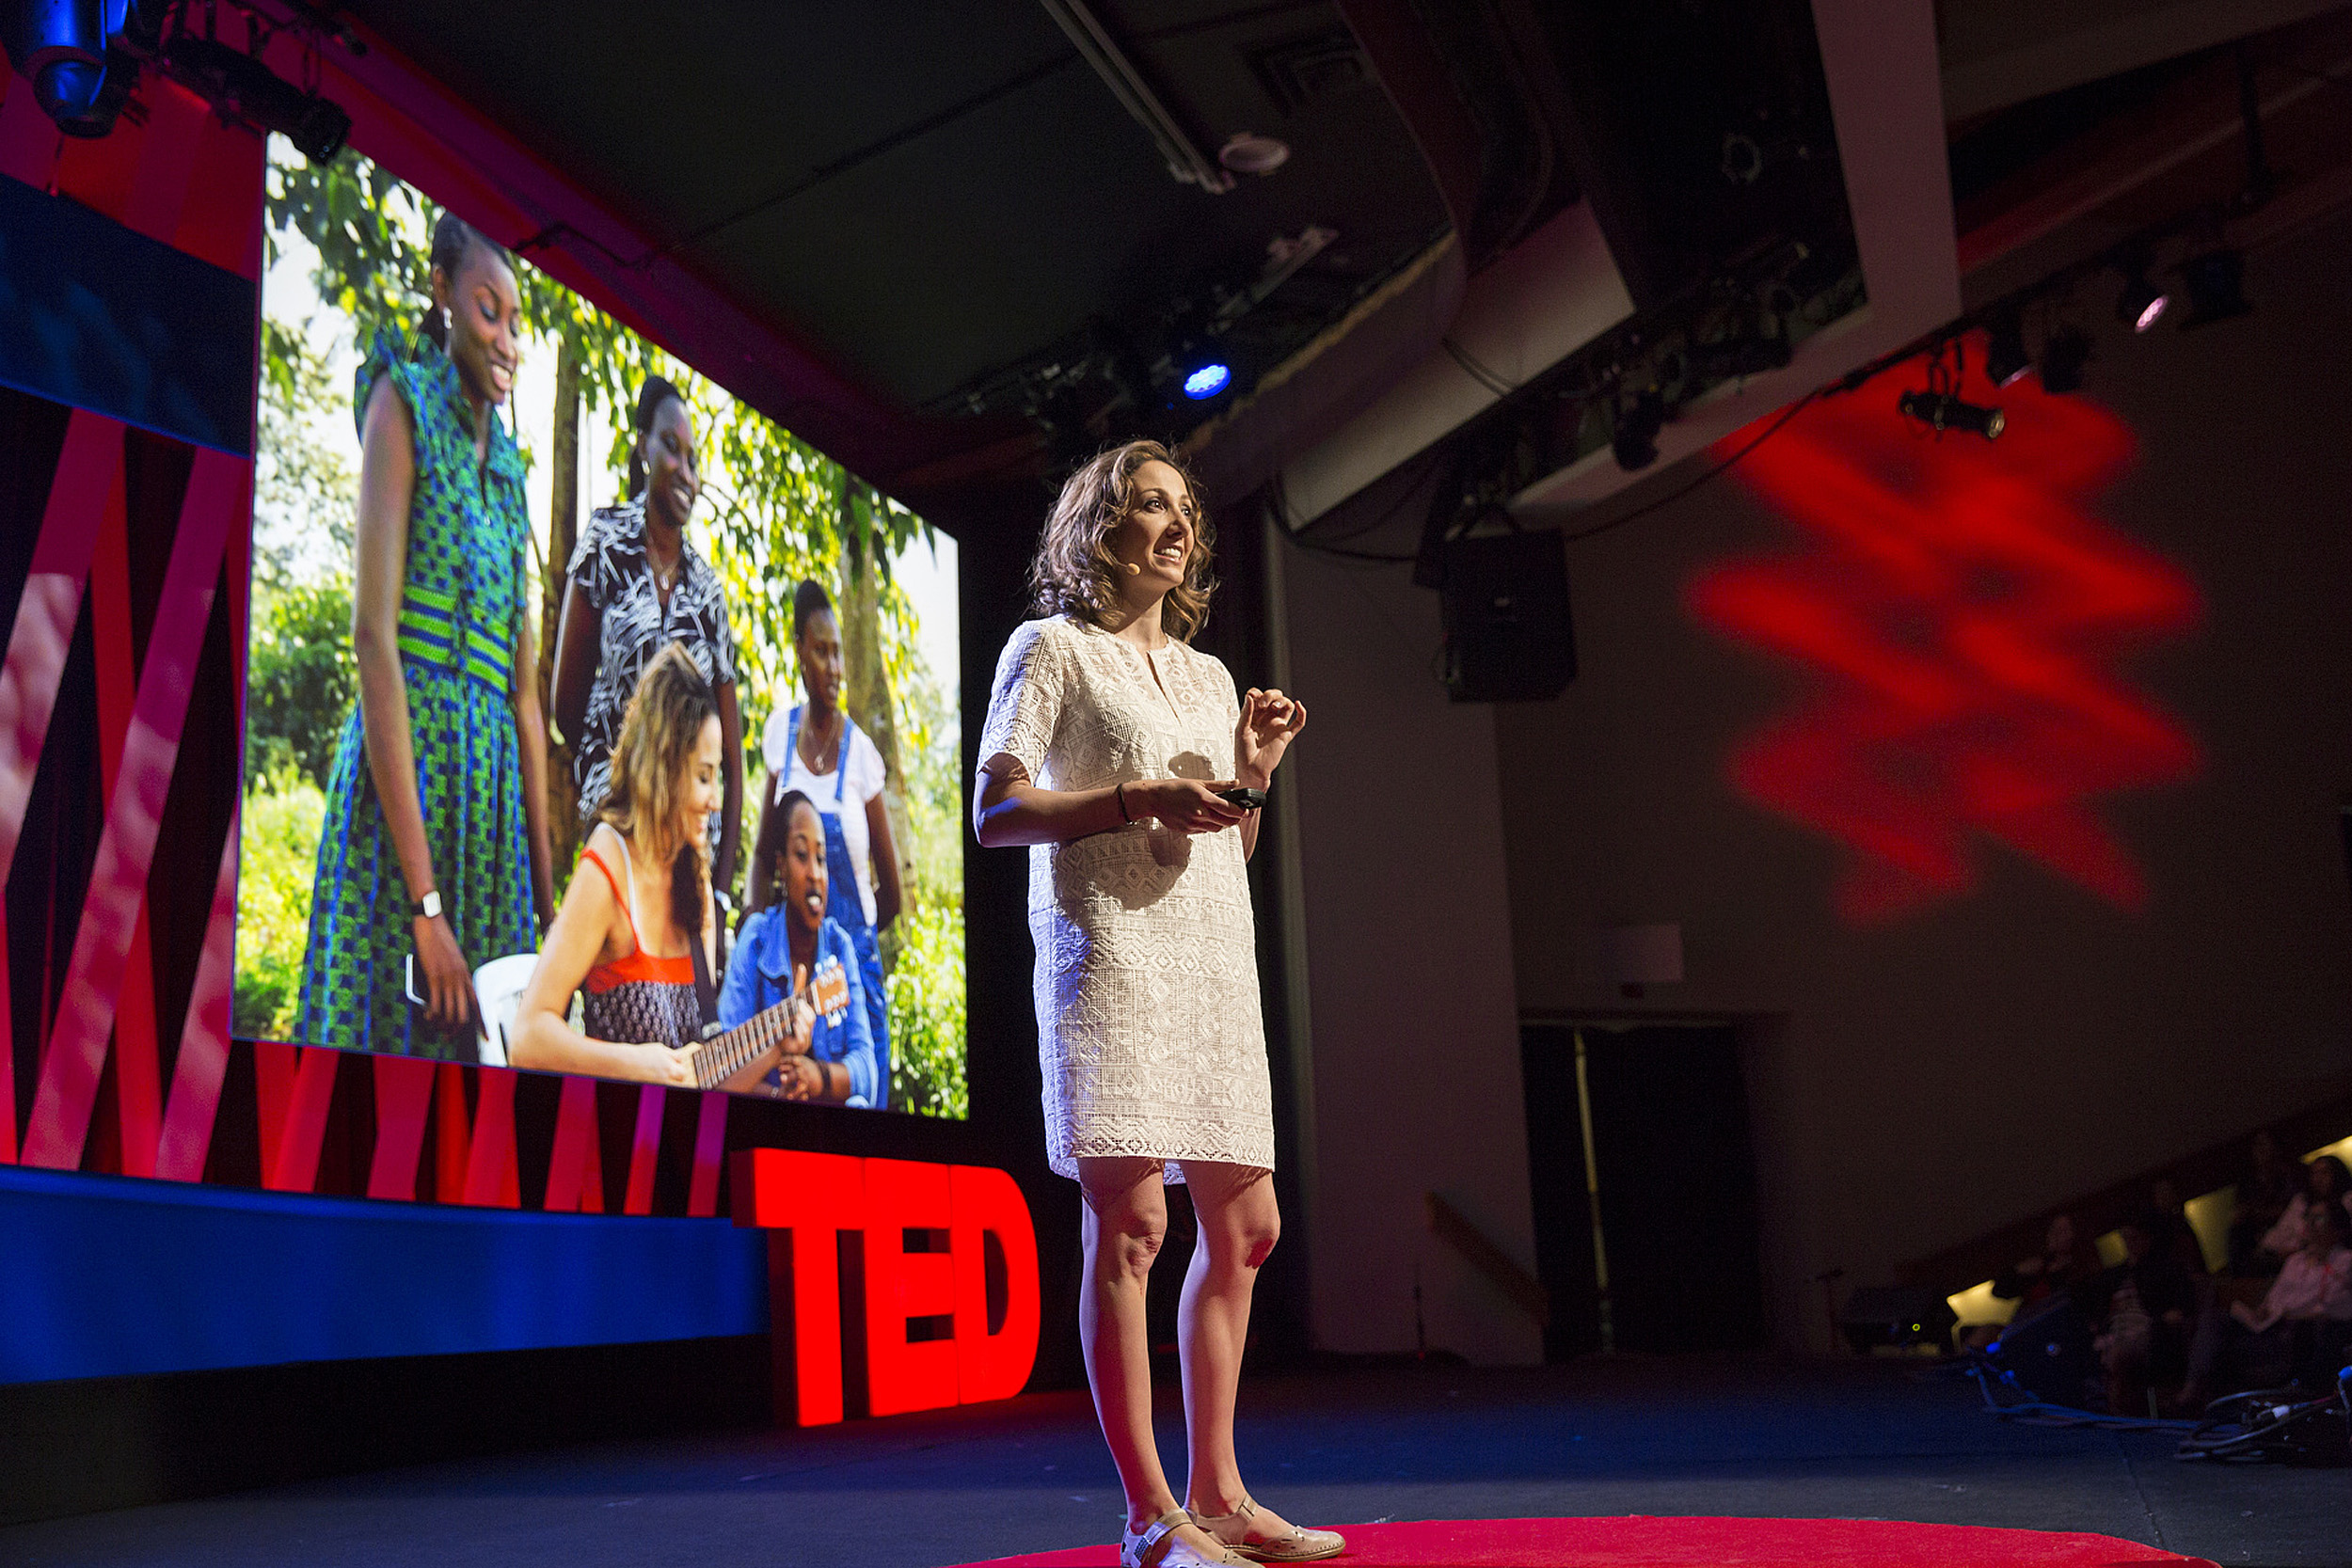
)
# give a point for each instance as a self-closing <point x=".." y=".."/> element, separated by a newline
<point x="1414" y="75"/>
<point x="828" y="172"/>
<point x="2134" y="151"/>
<point x="2000" y="53"/>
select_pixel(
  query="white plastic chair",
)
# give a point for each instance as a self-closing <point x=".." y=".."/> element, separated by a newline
<point x="497" y="987"/>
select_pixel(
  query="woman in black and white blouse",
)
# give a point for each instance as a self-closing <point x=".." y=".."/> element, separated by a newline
<point x="636" y="586"/>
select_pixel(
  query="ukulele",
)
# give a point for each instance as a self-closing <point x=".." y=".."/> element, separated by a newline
<point x="729" y="1052"/>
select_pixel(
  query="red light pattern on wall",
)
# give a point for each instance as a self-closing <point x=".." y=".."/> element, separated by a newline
<point x="1961" y="615"/>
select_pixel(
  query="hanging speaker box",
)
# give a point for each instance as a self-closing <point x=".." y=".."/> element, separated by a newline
<point x="1504" y="606"/>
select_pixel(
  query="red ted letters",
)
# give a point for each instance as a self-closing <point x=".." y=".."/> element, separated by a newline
<point x="809" y="1202"/>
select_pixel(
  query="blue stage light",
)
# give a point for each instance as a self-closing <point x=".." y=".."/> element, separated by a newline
<point x="61" y="47"/>
<point x="1208" y="381"/>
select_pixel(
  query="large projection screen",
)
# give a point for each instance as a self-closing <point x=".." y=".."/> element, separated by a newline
<point x="518" y="537"/>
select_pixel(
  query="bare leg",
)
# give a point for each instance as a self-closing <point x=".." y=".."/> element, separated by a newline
<point x="1239" y="1225"/>
<point x="1125" y="1219"/>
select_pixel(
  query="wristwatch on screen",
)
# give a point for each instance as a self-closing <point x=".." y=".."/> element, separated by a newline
<point x="429" y="907"/>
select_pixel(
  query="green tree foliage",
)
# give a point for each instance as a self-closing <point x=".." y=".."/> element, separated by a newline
<point x="276" y="855"/>
<point x="301" y="681"/>
<point x="927" y="1013"/>
<point x="373" y="236"/>
<point x="305" y="491"/>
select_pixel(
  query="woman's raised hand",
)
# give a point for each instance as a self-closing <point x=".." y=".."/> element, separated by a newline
<point x="1187" y="805"/>
<point x="1269" y="722"/>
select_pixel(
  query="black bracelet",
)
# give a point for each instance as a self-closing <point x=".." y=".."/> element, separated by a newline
<point x="1122" y="793"/>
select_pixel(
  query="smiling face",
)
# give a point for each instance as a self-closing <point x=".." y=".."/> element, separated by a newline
<point x="484" y="323"/>
<point x="818" y="648"/>
<point x="801" y="868"/>
<point x="1157" y="532"/>
<point x="673" y="475"/>
<point x="702" y="791"/>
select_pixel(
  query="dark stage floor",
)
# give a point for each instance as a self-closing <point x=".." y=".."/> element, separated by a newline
<point x="1633" y="1436"/>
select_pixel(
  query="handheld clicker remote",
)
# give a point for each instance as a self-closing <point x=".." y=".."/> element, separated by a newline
<point x="1248" y="800"/>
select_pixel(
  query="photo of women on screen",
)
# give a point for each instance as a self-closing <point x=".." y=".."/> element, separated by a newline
<point x="433" y="856"/>
<point x="494" y="527"/>
<point x="637" y="937"/>
<point x="635" y="585"/>
<point x="816" y="749"/>
<point x="791" y="950"/>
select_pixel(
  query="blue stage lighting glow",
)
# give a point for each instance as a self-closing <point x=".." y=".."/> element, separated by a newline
<point x="1208" y="381"/>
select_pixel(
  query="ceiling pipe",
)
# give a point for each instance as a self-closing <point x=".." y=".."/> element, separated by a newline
<point x="1188" y="162"/>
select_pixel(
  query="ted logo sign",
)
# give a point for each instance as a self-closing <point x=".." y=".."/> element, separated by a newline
<point x="917" y="1280"/>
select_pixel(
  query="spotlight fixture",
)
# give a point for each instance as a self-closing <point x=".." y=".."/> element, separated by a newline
<point x="1208" y="380"/>
<point x="61" y="47"/>
<point x="2141" y="302"/>
<point x="1635" y="439"/>
<point x="2064" y="355"/>
<point x="2005" y="355"/>
<point x="2217" y="288"/>
<point x="1246" y="152"/>
<point x="240" y="85"/>
<point x="1941" y="411"/>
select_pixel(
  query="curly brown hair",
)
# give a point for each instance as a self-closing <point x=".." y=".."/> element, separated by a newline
<point x="659" y="731"/>
<point x="1074" y="573"/>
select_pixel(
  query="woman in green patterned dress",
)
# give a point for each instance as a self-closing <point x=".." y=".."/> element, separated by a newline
<point x="435" y="847"/>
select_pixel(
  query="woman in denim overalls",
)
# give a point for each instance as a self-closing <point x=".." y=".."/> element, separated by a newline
<point x="857" y="824"/>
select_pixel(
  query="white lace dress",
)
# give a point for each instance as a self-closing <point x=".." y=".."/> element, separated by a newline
<point x="1148" y="1031"/>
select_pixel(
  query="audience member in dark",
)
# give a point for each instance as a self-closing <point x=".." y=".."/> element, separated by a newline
<point x="2147" y="1307"/>
<point x="2175" y="1237"/>
<point x="2299" y="1331"/>
<point x="2324" y="1180"/>
<point x="2264" y="1191"/>
<point x="2063" y="1261"/>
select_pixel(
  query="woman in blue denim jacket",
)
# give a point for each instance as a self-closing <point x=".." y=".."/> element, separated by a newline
<point x="790" y="950"/>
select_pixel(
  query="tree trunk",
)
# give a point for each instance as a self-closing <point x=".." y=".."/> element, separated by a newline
<point x="867" y="693"/>
<point x="562" y="532"/>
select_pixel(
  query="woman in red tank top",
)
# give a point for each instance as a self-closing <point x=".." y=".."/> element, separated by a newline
<point x="638" y="902"/>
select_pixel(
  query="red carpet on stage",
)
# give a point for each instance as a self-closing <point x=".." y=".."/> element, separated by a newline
<point x="1650" y="1543"/>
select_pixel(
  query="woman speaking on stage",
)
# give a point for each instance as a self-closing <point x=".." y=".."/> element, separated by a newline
<point x="1108" y="741"/>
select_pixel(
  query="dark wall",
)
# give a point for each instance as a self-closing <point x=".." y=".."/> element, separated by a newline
<point x="1920" y="1081"/>
<point x="994" y="531"/>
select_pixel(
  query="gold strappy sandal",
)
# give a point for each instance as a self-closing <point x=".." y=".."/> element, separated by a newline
<point x="1155" y="1546"/>
<point x="1300" y="1545"/>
